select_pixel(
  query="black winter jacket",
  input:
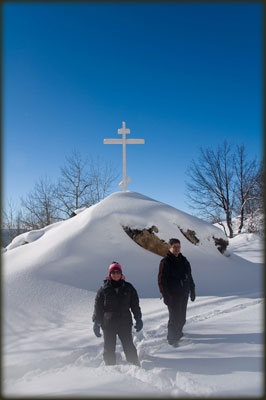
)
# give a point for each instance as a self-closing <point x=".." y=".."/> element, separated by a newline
<point x="175" y="275"/>
<point x="113" y="304"/>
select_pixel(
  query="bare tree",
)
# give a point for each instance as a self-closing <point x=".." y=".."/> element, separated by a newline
<point x="12" y="220"/>
<point x="258" y="190"/>
<point x="83" y="182"/>
<point x="72" y="191"/>
<point x="246" y="173"/>
<point x="102" y="177"/>
<point x="255" y="206"/>
<point x="39" y="206"/>
<point x="211" y="186"/>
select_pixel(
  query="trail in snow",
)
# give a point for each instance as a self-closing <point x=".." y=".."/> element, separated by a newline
<point x="208" y="354"/>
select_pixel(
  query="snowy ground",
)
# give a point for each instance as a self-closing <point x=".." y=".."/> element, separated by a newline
<point x="220" y="355"/>
<point x="49" y="348"/>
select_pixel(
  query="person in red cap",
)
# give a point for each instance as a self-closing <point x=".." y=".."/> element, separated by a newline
<point x="115" y="301"/>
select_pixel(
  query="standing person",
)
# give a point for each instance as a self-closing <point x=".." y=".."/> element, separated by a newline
<point x="113" y="303"/>
<point x="175" y="283"/>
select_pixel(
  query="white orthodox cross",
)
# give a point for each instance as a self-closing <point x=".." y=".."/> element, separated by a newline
<point x="123" y="131"/>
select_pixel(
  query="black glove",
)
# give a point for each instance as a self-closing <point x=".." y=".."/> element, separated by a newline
<point x="96" y="329"/>
<point x="139" y="324"/>
<point x="192" y="294"/>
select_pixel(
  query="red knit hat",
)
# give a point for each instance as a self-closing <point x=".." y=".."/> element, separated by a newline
<point x="115" y="266"/>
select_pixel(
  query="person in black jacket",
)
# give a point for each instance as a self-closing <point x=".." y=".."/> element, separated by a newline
<point x="175" y="283"/>
<point x="114" y="302"/>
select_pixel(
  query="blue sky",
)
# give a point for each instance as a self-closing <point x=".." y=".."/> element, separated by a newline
<point x="182" y="75"/>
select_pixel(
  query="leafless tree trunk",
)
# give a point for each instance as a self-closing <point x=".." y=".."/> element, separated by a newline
<point x="246" y="180"/>
<point x="258" y="190"/>
<point x="211" y="186"/>
<point x="39" y="205"/>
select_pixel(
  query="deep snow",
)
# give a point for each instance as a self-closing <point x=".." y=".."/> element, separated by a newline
<point x="77" y="252"/>
<point x="49" y="289"/>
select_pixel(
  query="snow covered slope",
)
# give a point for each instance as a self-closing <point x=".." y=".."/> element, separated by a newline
<point x="248" y="246"/>
<point x="77" y="252"/>
<point x="50" y="278"/>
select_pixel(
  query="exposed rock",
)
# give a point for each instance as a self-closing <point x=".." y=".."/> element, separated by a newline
<point x="190" y="235"/>
<point x="148" y="240"/>
<point x="154" y="229"/>
<point x="221" y="244"/>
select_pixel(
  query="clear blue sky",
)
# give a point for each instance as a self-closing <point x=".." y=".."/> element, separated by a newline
<point x="182" y="75"/>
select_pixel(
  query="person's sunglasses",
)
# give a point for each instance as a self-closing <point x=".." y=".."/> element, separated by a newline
<point x="116" y="272"/>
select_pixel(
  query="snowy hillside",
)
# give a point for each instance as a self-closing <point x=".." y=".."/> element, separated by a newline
<point x="248" y="245"/>
<point x="50" y="281"/>
<point x="77" y="252"/>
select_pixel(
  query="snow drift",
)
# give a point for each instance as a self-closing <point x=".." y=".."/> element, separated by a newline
<point x="77" y="252"/>
<point x="50" y="280"/>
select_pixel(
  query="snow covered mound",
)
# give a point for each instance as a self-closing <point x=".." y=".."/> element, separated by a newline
<point x="50" y="280"/>
<point x="77" y="252"/>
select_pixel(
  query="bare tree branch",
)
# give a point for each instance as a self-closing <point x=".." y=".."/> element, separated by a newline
<point x="83" y="183"/>
<point x="40" y="205"/>
<point x="210" y="188"/>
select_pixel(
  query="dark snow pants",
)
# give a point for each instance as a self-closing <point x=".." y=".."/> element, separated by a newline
<point x="125" y="335"/>
<point x="177" y="308"/>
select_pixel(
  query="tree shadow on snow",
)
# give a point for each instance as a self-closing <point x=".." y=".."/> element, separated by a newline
<point x="209" y="366"/>
<point x="244" y="338"/>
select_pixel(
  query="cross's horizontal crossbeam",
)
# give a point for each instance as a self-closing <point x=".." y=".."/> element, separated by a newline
<point x="127" y="141"/>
